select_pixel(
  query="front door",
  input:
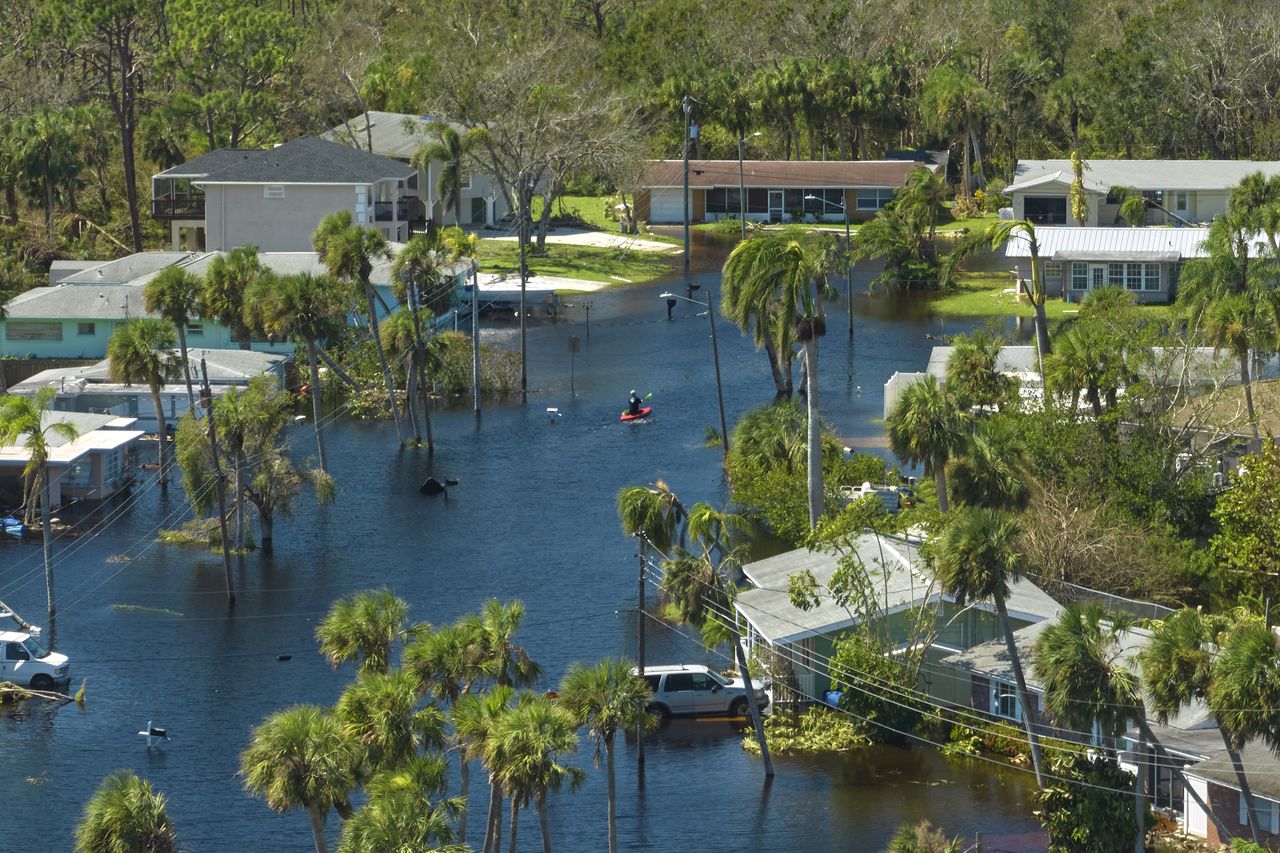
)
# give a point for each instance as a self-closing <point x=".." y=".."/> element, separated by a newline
<point x="1097" y="276"/>
<point x="775" y="205"/>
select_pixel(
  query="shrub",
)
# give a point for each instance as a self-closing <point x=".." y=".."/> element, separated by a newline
<point x="817" y="730"/>
<point x="1096" y="816"/>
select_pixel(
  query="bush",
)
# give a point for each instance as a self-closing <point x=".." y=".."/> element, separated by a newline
<point x="815" y="731"/>
<point x="923" y="837"/>
<point x="1097" y="816"/>
<point x="891" y="718"/>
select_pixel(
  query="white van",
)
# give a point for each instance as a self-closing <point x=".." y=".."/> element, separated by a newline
<point x="686" y="689"/>
<point x="26" y="663"/>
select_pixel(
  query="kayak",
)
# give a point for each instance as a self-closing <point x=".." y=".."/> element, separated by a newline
<point x="644" y="413"/>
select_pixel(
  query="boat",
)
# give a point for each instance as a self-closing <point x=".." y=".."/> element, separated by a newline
<point x="12" y="525"/>
<point x="644" y="413"/>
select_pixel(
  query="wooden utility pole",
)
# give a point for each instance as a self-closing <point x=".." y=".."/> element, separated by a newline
<point x="420" y="361"/>
<point x="523" y="196"/>
<point x="475" y="333"/>
<point x="206" y="402"/>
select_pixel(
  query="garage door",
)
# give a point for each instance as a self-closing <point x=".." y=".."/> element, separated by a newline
<point x="1045" y="209"/>
<point x="666" y="206"/>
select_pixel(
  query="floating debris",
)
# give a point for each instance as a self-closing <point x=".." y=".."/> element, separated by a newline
<point x="119" y="558"/>
<point x="137" y="608"/>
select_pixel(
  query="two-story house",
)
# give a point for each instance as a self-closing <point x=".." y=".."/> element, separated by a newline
<point x="400" y="136"/>
<point x="274" y="198"/>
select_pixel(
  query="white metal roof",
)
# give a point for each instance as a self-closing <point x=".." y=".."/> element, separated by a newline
<point x="1148" y="174"/>
<point x="1096" y="243"/>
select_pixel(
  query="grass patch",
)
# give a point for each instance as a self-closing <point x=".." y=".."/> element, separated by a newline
<point x="589" y="208"/>
<point x="584" y="262"/>
<point x="982" y="295"/>
<point x="974" y="224"/>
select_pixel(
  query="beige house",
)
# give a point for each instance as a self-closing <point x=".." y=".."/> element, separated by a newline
<point x="274" y="198"/>
<point x="1178" y="192"/>
<point x="399" y="136"/>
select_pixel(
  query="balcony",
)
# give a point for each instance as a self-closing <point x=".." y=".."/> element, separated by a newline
<point x="408" y="209"/>
<point x="178" y="206"/>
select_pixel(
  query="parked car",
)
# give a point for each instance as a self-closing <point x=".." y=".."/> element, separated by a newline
<point x="26" y="663"/>
<point x="690" y="689"/>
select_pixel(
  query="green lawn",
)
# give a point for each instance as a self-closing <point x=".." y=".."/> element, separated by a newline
<point x="585" y="262"/>
<point x="591" y="210"/>
<point x="976" y="224"/>
<point x="981" y="295"/>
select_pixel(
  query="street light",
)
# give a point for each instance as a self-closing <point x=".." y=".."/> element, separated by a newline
<point x="848" y="246"/>
<point x="742" y="185"/>
<point x="715" y="356"/>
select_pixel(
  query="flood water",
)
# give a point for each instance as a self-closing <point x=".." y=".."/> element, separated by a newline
<point x="532" y="518"/>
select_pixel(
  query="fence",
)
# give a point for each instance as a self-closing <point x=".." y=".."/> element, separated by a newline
<point x="18" y="369"/>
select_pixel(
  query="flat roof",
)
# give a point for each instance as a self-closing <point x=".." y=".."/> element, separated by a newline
<point x="1102" y="175"/>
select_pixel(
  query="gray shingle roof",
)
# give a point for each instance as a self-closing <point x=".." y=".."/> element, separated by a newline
<point x="226" y="367"/>
<point x="1260" y="766"/>
<point x="305" y="160"/>
<point x="125" y="269"/>
<point x="396" y="135"/>
<point x="78" y="301"/>
<point x="780" y="173"/>
<point x="206" y="164"/>
<point x="1102" y="175"/>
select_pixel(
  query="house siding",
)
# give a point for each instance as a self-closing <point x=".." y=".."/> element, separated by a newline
<point x="239" y="215"/>
<point x="75" y="345"/>
<point x="980" y="693"/>
<point x="1225" y="803"/>
<point x="1061" y="287"/>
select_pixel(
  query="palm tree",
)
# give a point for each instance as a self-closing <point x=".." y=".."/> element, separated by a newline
<point x="1086" y="685"/>
<point x="954" y="102"/>
<point x="1177" y="668"/>
<point x="525" y="750"/>
<point x="972" y="375"/>
<point x="308" y="308"/>
<point x="379" y="713"/>
<point x="452" y="150"/>
<point x="474" y="718"/>
<point x="27" y="421"/>
<point x="605" y="699"/>
<point x="1089" y="358"/>
<point x="299" y="758"/>
<point x="747" y="298"/>
<point x="1022" y="229"/>
<point x="404" y="811"/>
<point x="401" y="335"/>
<point x="654" y="511"/>
<point x="362" y="627"/>
<point x="1244" y="693"/>
<point x="49" y="157"/>
<point x="495" y="629"/>
<point x="978" y="557"/>
<point x="141" y="350"/>
<point x="125" y="816"/>
<point x="174" y="294"/>
<point x="1232" y="323"/>
<point x="230" y="276"/>
<point x="349" y="252"/>
<point x="925" y="426"/>
<point x="992" y="470"/>
<point x="1133" y="206"/>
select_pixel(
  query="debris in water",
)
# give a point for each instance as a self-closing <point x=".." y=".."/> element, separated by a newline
<point x="135" y="608"/>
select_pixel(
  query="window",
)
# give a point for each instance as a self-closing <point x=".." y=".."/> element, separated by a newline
<point x="1115" y="275"/>
<point x="679" y="681"/>
<point x="1045" y="209"/>
<point x="1079" y="276"/>
<point x="1004" y="701"/>
<point x="1268" y="819"/>
<point x="1151" y="278"/>
<point x="873" y="199"/>
<point x="794" y="200"/>
<point x="1133" y="277"/>
<point x="16" y="651"/>
<point x="32" y="330"/>
<point x="195" y="329"/>
<point x="652" y="681"/>
<point x="1180" y="202"/>
<point x="85" y="328"/>
<point x="113" y="467"/>
<point x="758" y="200"/>
<point x="273" y="191"/>
<point x="713" y="200"/>
<point x="1053" y="271"/>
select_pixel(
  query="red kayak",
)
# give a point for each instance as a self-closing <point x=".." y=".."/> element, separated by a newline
<point x="644" y="413"/>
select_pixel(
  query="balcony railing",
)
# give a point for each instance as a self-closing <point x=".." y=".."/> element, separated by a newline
<point x="406" y="210"/>
<point x="178" y="206"/>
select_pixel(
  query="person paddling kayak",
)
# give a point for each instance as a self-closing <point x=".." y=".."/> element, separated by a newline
<point x="633" y="404"/>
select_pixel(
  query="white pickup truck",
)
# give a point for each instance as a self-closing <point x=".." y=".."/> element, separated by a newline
<point x="26" y="663"/>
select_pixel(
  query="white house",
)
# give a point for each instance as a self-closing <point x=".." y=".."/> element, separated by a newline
<point x="1179" y="192"/>
<point x="93" y="466"/>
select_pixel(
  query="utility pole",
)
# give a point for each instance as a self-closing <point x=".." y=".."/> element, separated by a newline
<point x="715" y="356"/>
<point x="687" y="106"/>
<point x="848" y="263"/>
<point x="523" y="196"/>
<point x="420" y="364"/>
<point x="640" y="617"/>
<point x="206" y="402"/>
<point x="742" y="187"/>
<point x="475" y="333"/>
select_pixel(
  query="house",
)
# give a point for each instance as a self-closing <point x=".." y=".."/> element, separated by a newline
<point x="898" y="586"/>
<point x="777" y="190"/>
<point x="96" y="465"/>
<point x="90" y="388"/>
<point x="1216" y="782"/>
<point x="1018" y="362"/>
<point x="399" y="136"/>
<point x="1178" y="192"/>
<point x="76" y="317"/>
<point x="274" y="198"/>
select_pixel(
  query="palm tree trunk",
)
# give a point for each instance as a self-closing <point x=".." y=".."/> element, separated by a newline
<point x="315" y="404"/>
<point x="464" y="776"/>
<point x="779" y="384"/>
<point x="1245" y="790"/>
<point x="239" y="463"/>
<point x="493" y="826"/>
<point x="752" y="708"/>
<point x="1024" y="697"/>
<point x="816" y="502"/>
<point x="162" y="432"/>
<point x="939" y="466"/>
<point x="544" y="825"/>
<point x="382" y="359"/>
<point x="317" y="828"/>
<point x="426" y="402"/>
<point x="968" y="132"/>
<point x="48" y="204"/>
<point x="515" y="811"/>
<point x="1095" y="401"/>
<point x="410" y="391"/>
<point x="1247" y="381"/>
<point x="613" y="793"/>
<point x="186" y="367"/>
<point x="1042" y="334"/>
<point x="46" y="527"/>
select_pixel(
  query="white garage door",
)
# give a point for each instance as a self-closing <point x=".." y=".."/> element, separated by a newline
<point x="665" y="206"/>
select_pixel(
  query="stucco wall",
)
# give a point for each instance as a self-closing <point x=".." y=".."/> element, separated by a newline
<point x="240" y="215"/>
<point x="76" y="345"/>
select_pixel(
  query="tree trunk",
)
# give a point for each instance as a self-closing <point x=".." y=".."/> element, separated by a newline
<point x="964" y="169"/>
<point x="1042" y="334"/>
<point x="817" y="505"/>
<point x="1139" y="797"/>
<point x="426" y="404"/>
<point x="317" y="829"/>
<point x="162" y="432"/>
<point x="1095" y="401"/>
<point x="240" y="463"/>
<point x="753" y="710"/>
<point x="186" y="367"/>
<point x="382" y="359"/>
<point x="337" y="370"/>
<point x="1238" y="766"/>
<point x="544" y="220"/>
<point x="1024" y="697"/>
<point x="939" y="466"/>
<point x="1247" y="382"/>
<point x="493" y="826"/>
<point x="775" y="366"/>
<point x="464" y="777"/>
<point x="315" y="404"/>
<point x="267" y="523"/>
<point x="1145" y="728"/>
<point x="544" y="825"/>
<point x="48" y="204"/>
<point x="613" y="793"/>
<point x="515" y="812"/>
<point x="410" y="391"/>
<point x="46" y="527"/>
